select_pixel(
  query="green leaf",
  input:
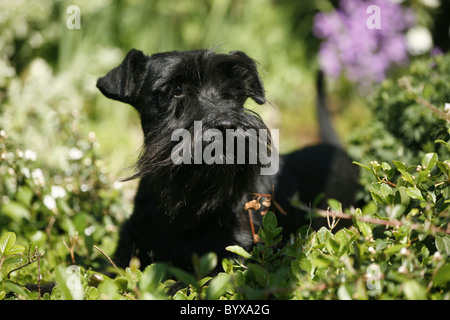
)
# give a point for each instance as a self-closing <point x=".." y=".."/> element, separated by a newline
<point x="302" y="263"/>
<point x="442" y="276"/>
<point x="429" y="160"/>
<point x="239" y="251"/>
<point x="151" y="276"/>
<point x="269" y="231"/>
<point x="345" y="239"/>
<point x="332" y="246"/>
<point x="7" y="242"/>
<point x="443" y="244"/>
<point x="218" y="286"/>
<point x="364" y="227"/>
<point x="385" y="166"/>
<point x="363" y="166"/>
<point x="442" y="142"/>
<point x="414" y="193"/>
<point x="343" y="293"/>
<point x="428" y="91"/>
<point x="444" y="168"/>
<point x="406" y="176"/>
<point x="184" y="276"/>
<point x="402" y="197"/>
<point x="386" y="190"/>
<point x="414" y="291"/>
<point x="423" y="175"/>
<point x="24" y="195"/>
<point x="260" y="273"/>
<point x="396" y="212"/>
<point x="334" y="205"/>
<point x="270" y="221"/>
<point x="323" y="235"/>
<point x="14" y="287"/>
<point x="16" y="249"/>
<point x="399" y="164"/>
<point x="206" y="264"/>
<point x="16" y="211"/>
<point x="109" y="290"/>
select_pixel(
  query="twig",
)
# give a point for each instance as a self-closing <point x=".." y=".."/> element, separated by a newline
<point x="387" y="223"/>
<point x="255" y="236"/>
<point x="39" y="274"/>
<point x="109" y="259"/>
<point x="406" y="83"/>
<point x="73" y="243"/>
<point x="36" y="256"/>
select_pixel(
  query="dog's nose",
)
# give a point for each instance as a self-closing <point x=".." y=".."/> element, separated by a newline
<point x="224" y="123"/>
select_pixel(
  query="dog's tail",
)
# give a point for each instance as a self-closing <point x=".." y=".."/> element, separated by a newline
<point x="327" y="132"/>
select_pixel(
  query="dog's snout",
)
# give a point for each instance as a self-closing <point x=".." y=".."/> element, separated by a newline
<point x="224" y="124"/>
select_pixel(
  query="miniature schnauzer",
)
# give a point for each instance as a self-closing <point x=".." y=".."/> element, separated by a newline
<point x="205" y="156"/>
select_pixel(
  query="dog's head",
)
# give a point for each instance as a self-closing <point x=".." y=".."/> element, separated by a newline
<point x="174" y="91"/>
<point x="165" y="84"/>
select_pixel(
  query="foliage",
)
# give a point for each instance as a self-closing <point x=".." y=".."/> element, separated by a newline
<point x="398" y="247"/>
<point x="408" y="116"/>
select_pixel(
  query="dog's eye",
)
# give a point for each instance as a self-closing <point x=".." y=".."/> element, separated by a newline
<point x="178" y="90"/>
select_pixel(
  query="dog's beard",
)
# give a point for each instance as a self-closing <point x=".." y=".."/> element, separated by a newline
<point x="198" y="187"/>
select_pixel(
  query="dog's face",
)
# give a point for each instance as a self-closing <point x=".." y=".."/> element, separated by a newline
<point x="162" y="86"/>
<point x="172" y="91"/>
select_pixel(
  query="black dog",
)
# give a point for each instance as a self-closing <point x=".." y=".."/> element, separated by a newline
<point x="182" y="208"/>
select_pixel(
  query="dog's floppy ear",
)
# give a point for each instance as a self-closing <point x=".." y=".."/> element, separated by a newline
<point x="247" y="69"/>
<point x="124" y="82"/>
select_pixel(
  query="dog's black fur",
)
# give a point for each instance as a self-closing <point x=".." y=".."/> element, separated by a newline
<point x="197" y="208"/>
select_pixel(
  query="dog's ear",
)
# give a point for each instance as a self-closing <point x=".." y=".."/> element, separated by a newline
<point x="124" y="82"/>
<point x="246" y="68"/>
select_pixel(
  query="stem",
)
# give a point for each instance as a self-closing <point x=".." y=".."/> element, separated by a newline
<point x="387" y="223"/>
<point x="109" y="259"/>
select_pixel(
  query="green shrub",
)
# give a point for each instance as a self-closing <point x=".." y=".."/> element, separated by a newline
<point x="408" y="116"/>
<point x="398" y="248"/>
<point x="66" y="221"/>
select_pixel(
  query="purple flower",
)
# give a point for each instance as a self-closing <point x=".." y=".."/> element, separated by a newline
<point x="364" y="55"/>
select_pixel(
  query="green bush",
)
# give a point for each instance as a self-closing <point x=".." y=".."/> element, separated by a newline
<point x="398" y="247"/>
<point x="408" y="116"/>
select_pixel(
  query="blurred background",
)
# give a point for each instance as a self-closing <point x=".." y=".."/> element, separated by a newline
<point x="50" y="59"/>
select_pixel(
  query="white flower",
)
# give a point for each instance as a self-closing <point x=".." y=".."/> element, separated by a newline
<point x="30" y="155"/>
<point x="75" y="153"/>
<point x="38" y="177"/>
<point x="50" y="202"/>
<point x="402" y="269"/>
<point x="26" y="172"/>
<point x="89" y="231"/>
<point x="447" y="107"/>
<point x="419" y="40"/>
<point x="58" y="192"/>
<point x="431" y="3"/>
